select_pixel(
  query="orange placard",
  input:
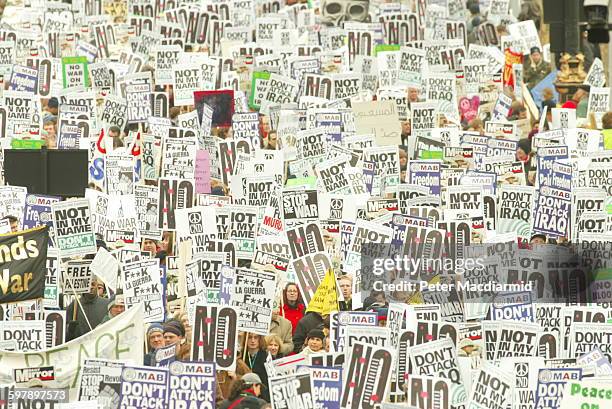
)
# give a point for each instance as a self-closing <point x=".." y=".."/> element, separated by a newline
<point x="511" y="58"/>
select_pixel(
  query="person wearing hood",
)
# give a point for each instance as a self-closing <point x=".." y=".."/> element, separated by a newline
<point x="116" y="306"/>
<point x="175" y="334"/>
<point x="245" y="393"/>
<point x="155" y="338"/>
<point x="86" y="314"/>
<point x="523" y="153"/>
<point x="315" y="342"/>
<point x="312" y="320"/>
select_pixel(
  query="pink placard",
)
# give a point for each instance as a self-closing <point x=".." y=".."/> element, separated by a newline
<point x="202" y="172"/>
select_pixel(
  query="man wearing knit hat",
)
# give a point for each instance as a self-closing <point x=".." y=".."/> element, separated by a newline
<point x="155" y="338"/>
<point x="116" y="306"/>
<point x="174" y="332"/>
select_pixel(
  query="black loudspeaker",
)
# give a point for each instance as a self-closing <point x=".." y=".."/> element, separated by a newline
<point x="48" y="172"/>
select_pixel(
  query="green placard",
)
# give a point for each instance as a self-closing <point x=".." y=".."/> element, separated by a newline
<point x="386" y="47"/>
<point x="607" y="137"/>
<point x="257" y="76"/>
<point x="75" y="72"/>
<point x="27" y="143"/>
<point x="309" y="182"/>
<point x="432" y="155"/>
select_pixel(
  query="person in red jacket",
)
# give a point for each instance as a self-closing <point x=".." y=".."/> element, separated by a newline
<point x="293" y="306"/>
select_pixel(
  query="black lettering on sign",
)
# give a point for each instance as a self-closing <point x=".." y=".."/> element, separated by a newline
<point x="215" y="336"/>
<point x="369" y="370"/>
<point x="173" y="194"/>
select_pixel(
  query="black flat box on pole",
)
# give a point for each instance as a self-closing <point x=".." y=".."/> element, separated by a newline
<point x="48" y="172"/>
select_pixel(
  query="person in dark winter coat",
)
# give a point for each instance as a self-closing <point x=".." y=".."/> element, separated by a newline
<point x="312" y="320"/>
<point x="91" y="305"/>
<point x="256" y="357"/>
<point x="245" y="393"/>
<point x="293" y="307"/>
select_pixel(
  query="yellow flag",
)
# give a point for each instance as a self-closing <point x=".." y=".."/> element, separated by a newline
<point x="325" y="299"/>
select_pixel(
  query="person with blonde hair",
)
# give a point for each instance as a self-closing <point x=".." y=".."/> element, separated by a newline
<point x="273" y="346"/>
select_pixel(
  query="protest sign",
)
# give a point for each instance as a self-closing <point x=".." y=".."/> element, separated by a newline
<point x="118" y="339"/>
<point x="596" y="76"/>
<point x="192" y="382"/>
<point x="23" y="265"/>
<point x="427" y="391"/>
<point x="203" y="275"/>
<point x="326" y="386"/>
<point x="186" y="79"/>
<point x="585" y="336"/>
<point x="599" y="102"/>
<point x="325" y="299"/>
<point x="410" y="66"/>
<point x="339" y="322"/>
<point x="138" y="96"/>
<point x="76" y="276"/>
<point x="439" y="358"/>
<point x="552" y="213"/>
<point x="299" y="206"/>
<point x="215" y="335"/>
<point x="423" y="118"/>
<point x="23" y="336"/>
<point x="295" y="389"/>
<point x="74" y="72"/>
<point x="379" y="118"/>
<point x="253" y="295"/>
<point x="100" y="77"/>
<point x="222" y="103"/>
<point x="173" y="194"/>
<point x="551" y="384"/>
<point x="242" y="229"/>
<point x="517" y="339"/>
<point x="141" y="284"/>
<point x="113" y="112"/>
<point x="513" y="306"/>
<point x="44" y="374"/>
<point x="246" y="126"/>
<point x="52" y="280"/>
<point x="515" y="209"/>
<point x="71" y="133"/>
<point x="73" y="229"/>
<point x="178" y="157"/>
<point x="442" y="88"/>
<point x="590" y="393"/>
<point x="23" y="79"/>
<point x="164" y="356"/>
<point x="147" y="198"/>
<point x="493" y="389"/>
<point x="425" y="173"/>
<point x="100" y="380"/>
<point x="166" y="57"/>
<point x="119" y="175"/>
<point x="367" y="374"/>
<point x="143" y="386"/>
